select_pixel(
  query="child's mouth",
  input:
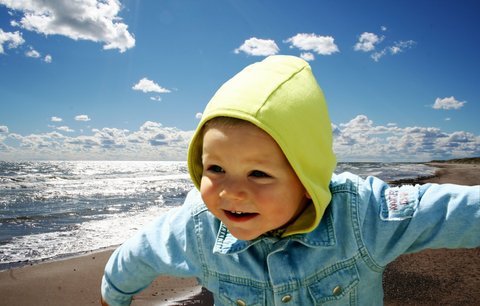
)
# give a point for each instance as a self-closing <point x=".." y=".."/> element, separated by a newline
<point x="239" y="216"/>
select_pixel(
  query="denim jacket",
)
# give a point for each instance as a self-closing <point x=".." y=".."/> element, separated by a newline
<point x="366" y="226"/>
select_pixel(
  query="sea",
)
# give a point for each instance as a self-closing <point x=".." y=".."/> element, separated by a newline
<point x="56" y="209"/>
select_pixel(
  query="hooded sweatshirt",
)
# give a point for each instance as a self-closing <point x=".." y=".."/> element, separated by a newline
<point x="281" y="96"/>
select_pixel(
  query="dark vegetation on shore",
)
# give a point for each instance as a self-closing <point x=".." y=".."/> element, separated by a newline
<point x="469" y="160"/>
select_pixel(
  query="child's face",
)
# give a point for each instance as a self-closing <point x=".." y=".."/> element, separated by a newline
<point x="247" y="182"/>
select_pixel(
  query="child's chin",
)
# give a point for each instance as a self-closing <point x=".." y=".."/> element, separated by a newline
<point x="242" y="235"/>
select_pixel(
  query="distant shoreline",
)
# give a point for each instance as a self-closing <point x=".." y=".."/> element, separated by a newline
<point x="463" y="171"/>
<point x="468" y="160"/>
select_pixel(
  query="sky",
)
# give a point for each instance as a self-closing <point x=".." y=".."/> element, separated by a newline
<point x="128" y="80"/>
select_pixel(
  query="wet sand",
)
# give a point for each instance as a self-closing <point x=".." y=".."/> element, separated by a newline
<point x="431" y="277"/>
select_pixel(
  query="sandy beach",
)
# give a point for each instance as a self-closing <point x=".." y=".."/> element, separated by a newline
<point x="437" y="277"/>
<point x="431" y="277"/>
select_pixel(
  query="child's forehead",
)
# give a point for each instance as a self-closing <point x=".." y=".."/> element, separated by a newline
<point x="227" y="123"/>
<point x="219" y="122"/>
<point x="241" y="129"/>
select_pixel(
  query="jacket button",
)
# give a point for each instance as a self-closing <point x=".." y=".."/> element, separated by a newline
<point x="241" y="303"/>
<point x="287" y="298"/>
<point x="337" y="291"/>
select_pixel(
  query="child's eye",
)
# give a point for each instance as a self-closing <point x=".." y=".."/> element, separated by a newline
<point x="258" y="173"/>
<point x="215" y="169"/>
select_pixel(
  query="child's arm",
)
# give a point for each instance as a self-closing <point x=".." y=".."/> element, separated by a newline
<point x="409" y="219"/>
<point x="166" y="246"/>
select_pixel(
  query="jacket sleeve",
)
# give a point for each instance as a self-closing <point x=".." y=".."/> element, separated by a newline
<point x="407" y="219"/>
<point x="167" y="246"/>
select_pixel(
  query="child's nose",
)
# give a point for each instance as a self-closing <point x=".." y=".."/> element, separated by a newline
<point x="233" y="189"/>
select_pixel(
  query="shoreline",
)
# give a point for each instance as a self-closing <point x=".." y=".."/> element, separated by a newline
<point x="431" y="277"/>
<point x="27" y="263"/>
<point x="451" y="173"/>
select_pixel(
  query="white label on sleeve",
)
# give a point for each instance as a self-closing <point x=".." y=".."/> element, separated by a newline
<point x="400" y="203"/>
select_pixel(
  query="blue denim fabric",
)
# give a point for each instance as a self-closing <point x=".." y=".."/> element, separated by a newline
<point x="366" y="226"/>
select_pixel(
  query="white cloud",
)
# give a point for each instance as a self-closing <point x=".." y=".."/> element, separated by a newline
<point x="65" y="128"/>
<point x="401" y="46"/>
<point x="396" y="48"/>
<point x="92" y="20"/>
<point x="308" y="56"/>
<point x="376" y="56"/>
<point x="322" y="45"/>
<point x="82" y="118"/>
<point x="32" y="53"/>
<point x="367" y="41"/>
<point x="258" y="47"/>
<point x="198" y="116"/>
<point x="147" y="85"/>
<point x="56" y="119"/>
<point x="110" y="138"/>
<point x="359" y="139"/>
<point x="156" y="98"/>
<point x="448" y="103"/>
<point x="152" y="141"/>
<point x="11" y="39"/>
<point x="150" y="126"/>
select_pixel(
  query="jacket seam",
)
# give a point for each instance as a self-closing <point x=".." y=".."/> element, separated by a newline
<point x="365" y="254"/>
<point x="199" y="243"/>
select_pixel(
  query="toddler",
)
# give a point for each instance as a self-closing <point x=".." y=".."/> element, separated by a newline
<point x="269" y="223"/>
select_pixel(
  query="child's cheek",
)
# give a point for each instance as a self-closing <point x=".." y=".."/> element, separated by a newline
<point x="207" y="190"/>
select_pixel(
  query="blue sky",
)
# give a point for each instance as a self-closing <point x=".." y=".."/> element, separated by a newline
<point x="128" y="79"/>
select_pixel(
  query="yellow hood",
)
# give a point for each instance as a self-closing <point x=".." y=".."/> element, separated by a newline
<point x="281" y="96"/>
